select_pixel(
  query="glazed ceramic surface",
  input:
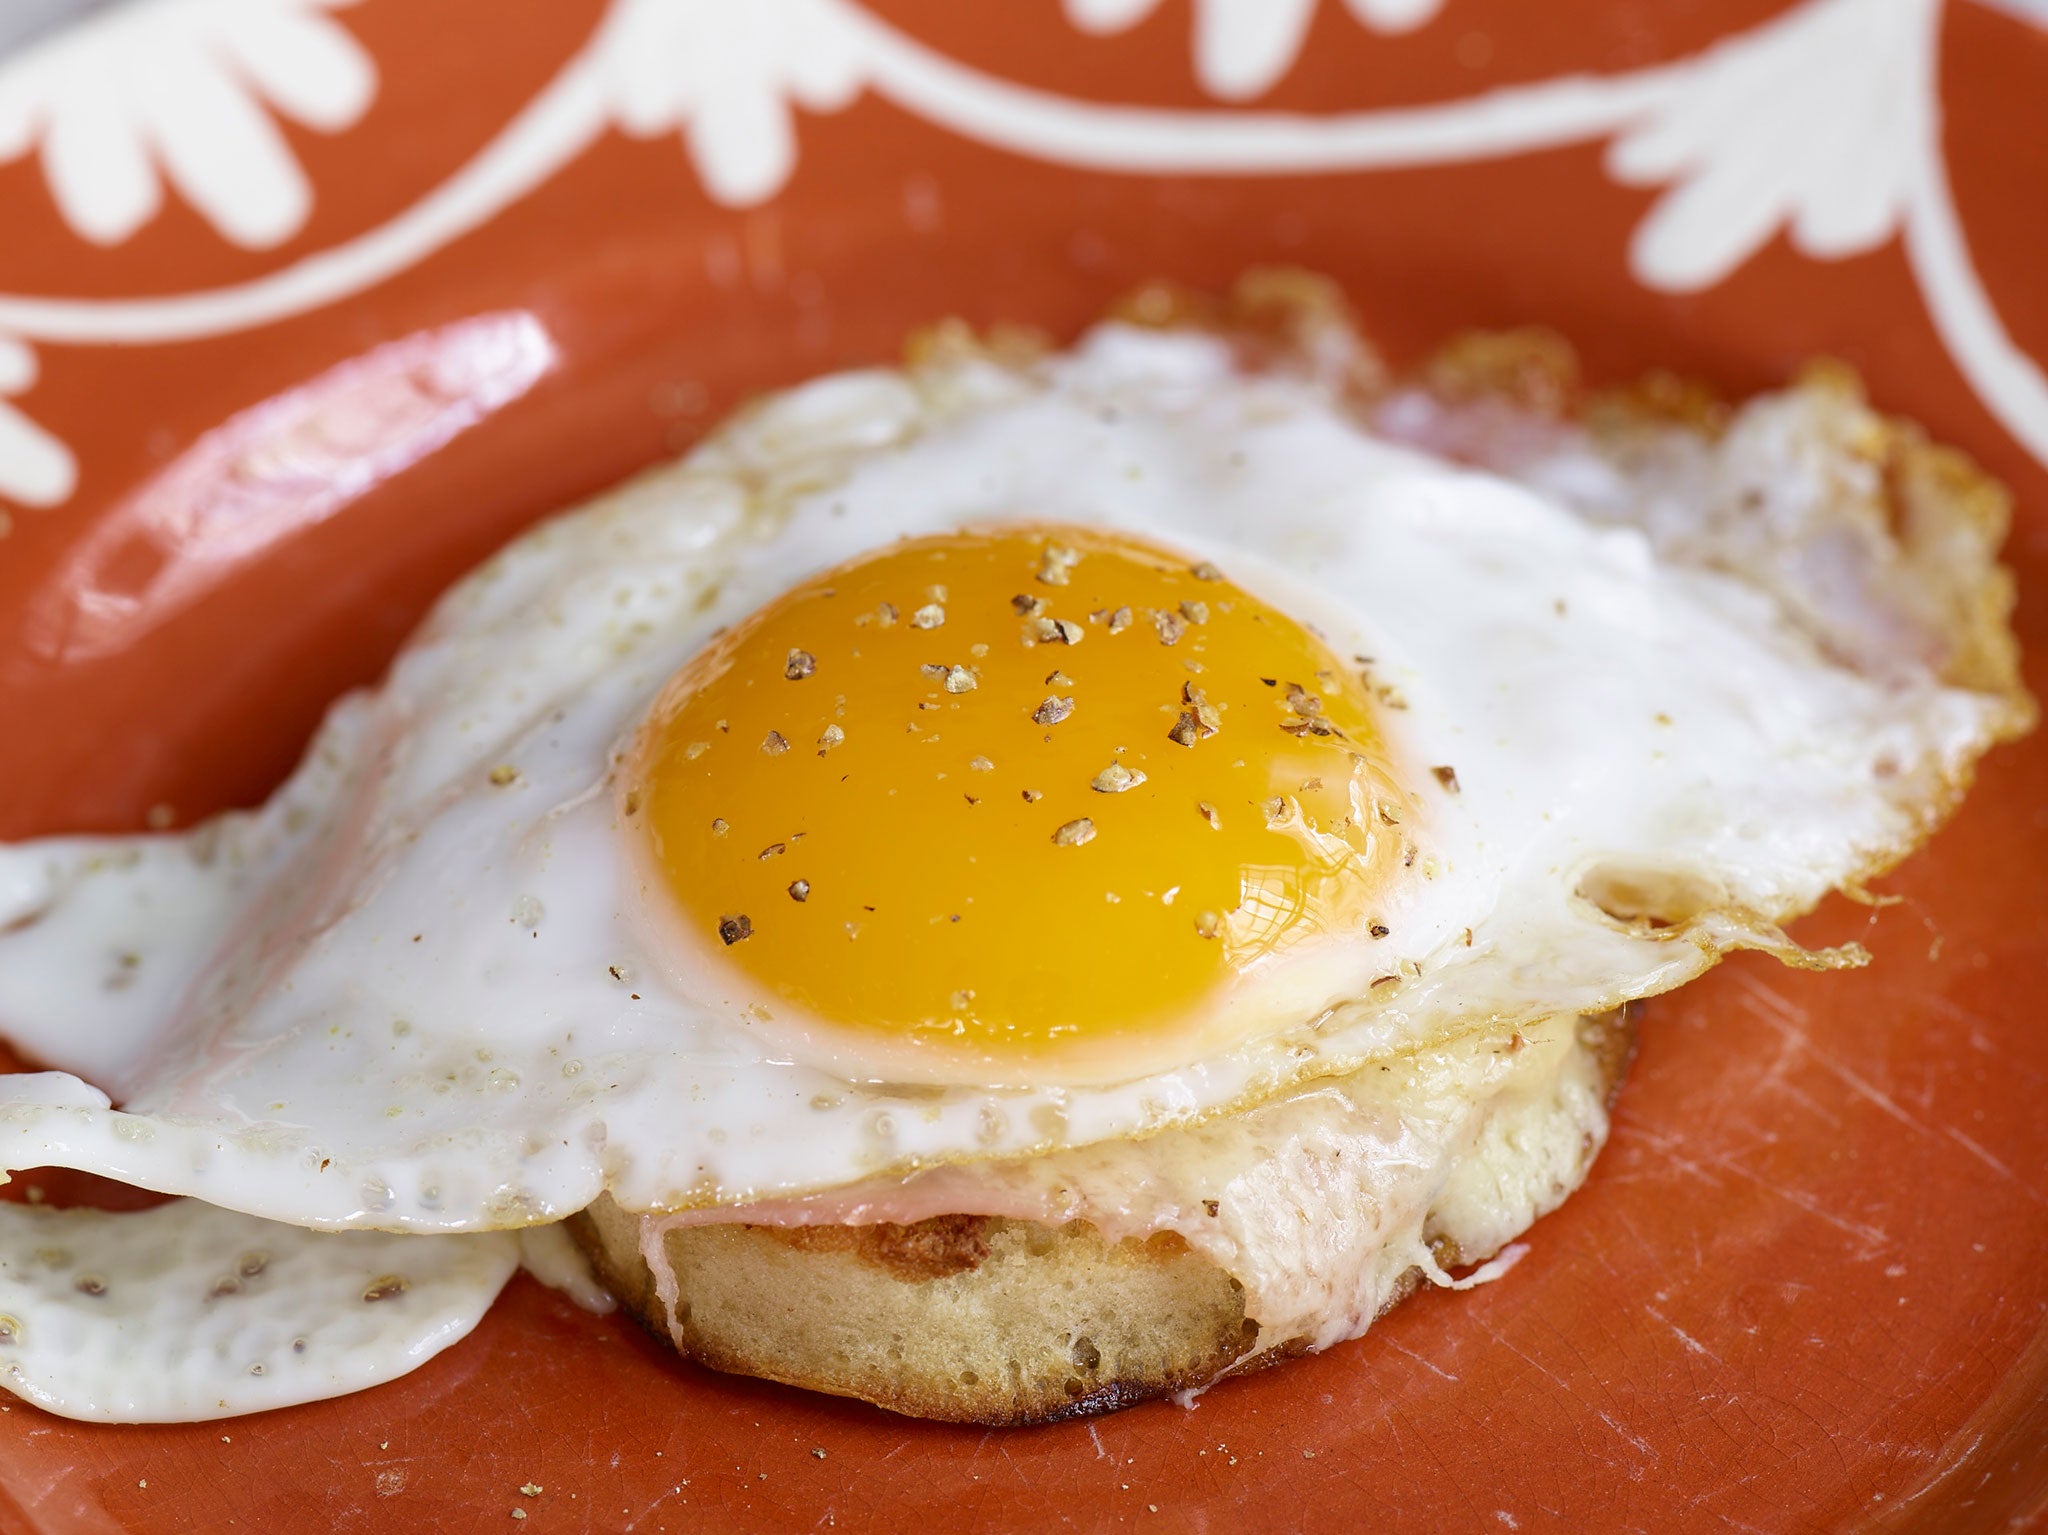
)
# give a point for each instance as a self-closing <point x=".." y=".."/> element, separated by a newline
<point x="307" y="305"/>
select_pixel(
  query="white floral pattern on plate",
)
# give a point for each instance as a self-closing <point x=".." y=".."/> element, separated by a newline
<point x="1243" y="47"/>
<point x="1810" y="126"/>
<point x="1822" y="121"/>
<point x="35" y="468"/>
<point x="725" y="75"/>
<point x="177" y="90"/>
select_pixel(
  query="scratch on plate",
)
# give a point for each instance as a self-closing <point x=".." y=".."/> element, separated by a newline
<point x="1783" y="1016"/>
<point x="1641" y="1445"/>
<point x="1875" y="1238"/>
<point x="1100" y="1452"/>
<point x="1692" y="1344"/>
<point x="1992" y="1162"/>
<point x="650" y="1508"/>
<point x="1432" y="1368"/>
<point x="1010" y="1461"/>
<point x="1950" y="1461"/>
<point x="1666" y="1146"/>
<point x="1789" y="1020"/>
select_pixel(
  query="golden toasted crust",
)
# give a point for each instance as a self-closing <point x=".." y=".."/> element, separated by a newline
<point x="960" y="1317"/>
<point x="969" y="1318"/>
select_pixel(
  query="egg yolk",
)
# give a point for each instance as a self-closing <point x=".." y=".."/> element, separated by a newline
<point x="1015" y="793"/>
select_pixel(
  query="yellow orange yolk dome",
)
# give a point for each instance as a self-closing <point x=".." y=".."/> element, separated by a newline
<point x="1019" y="795"/>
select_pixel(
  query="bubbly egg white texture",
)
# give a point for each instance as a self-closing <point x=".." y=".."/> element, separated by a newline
<point x="187" y="1312"/>
<point x="411" y="994"/>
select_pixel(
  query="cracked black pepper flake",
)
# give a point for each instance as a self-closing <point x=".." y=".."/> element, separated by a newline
<point x="1058" y="564"/>
<point x="829" y="737"/>
<point x="1075" y="832"/>
<point x="799" y="890"/>
<point x="1385" y="980"/>
<point x="773" y="850"/>
<point x="930" y="616"/>
<point x="961" y="679"/>
<point x="1185" y="731"/>
<point x="1208" y="813"/>
<point x="1448" y="777"/>
<point x="1027" y="606"/>
<point x="1053" y="710"/>
<point x="1278" y="810"/>
<point x="886" y="615"/>
<point x="801" y="664"/>
<point x="933" y="670"/>
<point x="1379" y="930"/>
<point x="1302" y="701"/>
<point x="1115" y="779"/>
<point x="1058" y="679"/>
<point x="1214" y="1207"/>
<point x="1119" y="621"/>
<point x="1389" y="814"/>
<point x="774" y="745"/>
<point x="733" y="929"/>
<point x="1207" y="719"/>
<point x="1033" y="796"/>
<point x="1171" y="626"/>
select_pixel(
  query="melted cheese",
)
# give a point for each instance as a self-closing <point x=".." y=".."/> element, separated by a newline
<point x="1318" y="1204"/>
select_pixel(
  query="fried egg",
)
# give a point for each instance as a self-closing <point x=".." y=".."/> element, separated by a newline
<point x="949" y="765"/>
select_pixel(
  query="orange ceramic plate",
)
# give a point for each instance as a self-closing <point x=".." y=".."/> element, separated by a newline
<point x="305" y="306"/>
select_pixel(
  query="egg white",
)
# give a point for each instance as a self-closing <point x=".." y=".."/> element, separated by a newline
<point x="407" y="996"/>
